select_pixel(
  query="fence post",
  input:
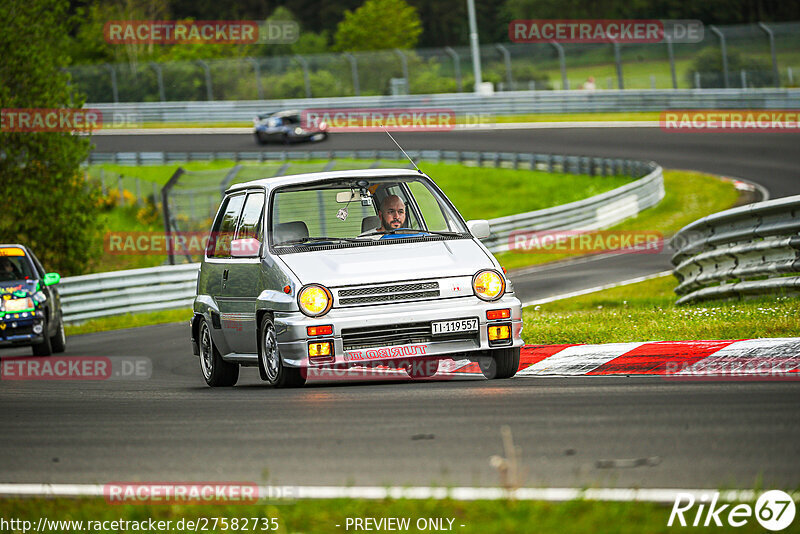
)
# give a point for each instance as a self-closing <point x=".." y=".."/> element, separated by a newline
<point x="562" y="60"/>
<point x="697" y="80"/>
<point x="114" y="90"/>
<point x="743" y="76"/>
<point x="456" y="66"/>
<point x="724" y="51"/>
<point x="671" y="54"/>
<point x="165" y="207"/>
<point x="138" y="191"/>
<point x="257" y="72"/>
<point x="119" y="187"/>
<point x="618" y="61"/>
<point x="404" y="62"/>
<point x="160" y="79"/>
<point x="771" y="36"/>
<point x="353" y="72"/>
<point x="306" y="78"/>
<point x="507" y="59"/>
<point x="209" y="91"/>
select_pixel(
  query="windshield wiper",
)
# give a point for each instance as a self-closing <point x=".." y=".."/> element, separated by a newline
<point x="309" y="240"/>
<point x="413" y="230"/>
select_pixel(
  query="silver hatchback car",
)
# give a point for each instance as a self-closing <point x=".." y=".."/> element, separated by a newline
<point x="349" y="268"/>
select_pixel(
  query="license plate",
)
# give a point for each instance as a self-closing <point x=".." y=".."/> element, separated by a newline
<point x="453" y="327"/>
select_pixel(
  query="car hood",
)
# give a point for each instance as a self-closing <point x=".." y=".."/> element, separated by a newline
<point x="388" y="263"/>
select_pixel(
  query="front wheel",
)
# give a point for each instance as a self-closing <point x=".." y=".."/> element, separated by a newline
<point x="501" y="363"/>
<point x="216" y="371"/>
<point x="44" y="348"/>
<point x="270" y="365"/>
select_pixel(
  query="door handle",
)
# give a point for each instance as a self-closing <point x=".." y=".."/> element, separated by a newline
<point x="225" y="274"/>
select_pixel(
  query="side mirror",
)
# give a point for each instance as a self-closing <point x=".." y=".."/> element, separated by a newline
<point x="479" y="228"/>
<point x="51" y="278"/>
<point x="245" y="248"/>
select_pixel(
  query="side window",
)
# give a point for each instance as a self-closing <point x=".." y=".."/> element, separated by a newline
<point x="37" y="265"/>
<point x="250" y="226"/>
<point x="435" y="219"/>
<point x="225" y="228"/>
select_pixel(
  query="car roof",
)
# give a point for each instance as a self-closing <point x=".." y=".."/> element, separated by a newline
<point x="294" y="179"/>
<point x="10" y="245"/>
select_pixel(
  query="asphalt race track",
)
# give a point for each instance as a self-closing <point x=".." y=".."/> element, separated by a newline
<point x="612" y="432"/>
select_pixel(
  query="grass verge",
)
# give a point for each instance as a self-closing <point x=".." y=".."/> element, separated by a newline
<point x="323" y="516"/>
<point x="688" y="196"/>
<point x="118" y="322"/>
<point x="646" y="311"/>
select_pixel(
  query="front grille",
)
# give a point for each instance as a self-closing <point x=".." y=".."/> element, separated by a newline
<point x="395" y="334"/>
<point x="21" y="330"/>
<point x="388" y="293"/>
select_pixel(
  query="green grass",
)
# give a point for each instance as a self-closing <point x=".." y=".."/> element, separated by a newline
<point x="646" y="311"/>
<point x="688" y="197"/>
<point x="118" y="322"/>
<point x="485" y="517"/>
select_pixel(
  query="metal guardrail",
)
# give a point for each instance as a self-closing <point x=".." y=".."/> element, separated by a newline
<point x="749" y="250"/>
<point x="98" y="295"/>
<point x="505" y="103"/>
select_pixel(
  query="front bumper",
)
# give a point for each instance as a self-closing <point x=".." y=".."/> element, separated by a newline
<point x="18" y="331"/>
<point x="293" y="339"/>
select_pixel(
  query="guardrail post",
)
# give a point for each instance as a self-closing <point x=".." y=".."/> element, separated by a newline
<point x="507" y="60"/>
<point x="724" y="50"/>
<point x="671" y="54"/>
<point x="306" y="77"/>
<point x="456" y="66"/>
<point x="159" y="79"/>
<point x="562" y="60"/>
<point x="404" y="62"/>
<point x="697" y="80"/>
<point x="743" y="76"/>
<point x="353" y="72"/>
<point x="114" y="90"/>
<point x="771" y="36"/>
<point x="257" y="72"/>
<point x="209" y="91"/>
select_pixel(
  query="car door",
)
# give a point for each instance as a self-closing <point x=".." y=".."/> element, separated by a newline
<point x="216" y="267"/>
<point x="245" y="280"/>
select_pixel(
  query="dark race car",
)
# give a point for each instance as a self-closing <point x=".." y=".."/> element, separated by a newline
<point x="286" y="127"/>
<point x="30" y="308"/>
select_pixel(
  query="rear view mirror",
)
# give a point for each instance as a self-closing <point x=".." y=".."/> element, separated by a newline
<point x="245" y="248"/>
<point x="345" y="196"/>
<point x="479" y="228"/>
<point x="51" y="278"/>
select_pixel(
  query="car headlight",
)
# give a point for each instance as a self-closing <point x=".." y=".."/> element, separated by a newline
<point x="298" y="131"/>
<point x="488" y="285"/>
<point x="314" y="300"/>
<point x="18" y="305"/>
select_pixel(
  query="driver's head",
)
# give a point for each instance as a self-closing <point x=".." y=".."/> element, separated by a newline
<point x="6" y="265"/>
<point x="392" y="213"/>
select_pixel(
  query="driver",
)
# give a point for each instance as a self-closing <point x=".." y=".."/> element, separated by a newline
<point x="8" y="271"/>
<point x="392" y="214"/>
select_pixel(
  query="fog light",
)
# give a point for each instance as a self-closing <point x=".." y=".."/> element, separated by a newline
<point x="325" y="330"/>
<point x="498" y="314"/>
<point x="321" y="349"/>
<point x="37" y="329"/>
<point x="499" y="332"/>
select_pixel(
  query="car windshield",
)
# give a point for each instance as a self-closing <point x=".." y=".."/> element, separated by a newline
<point x="14" y="265"/>
<point x="361" y="211"/>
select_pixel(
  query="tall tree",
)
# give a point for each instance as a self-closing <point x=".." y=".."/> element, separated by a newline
<point x="377" y="25"/>
<point x="45" y="202"/>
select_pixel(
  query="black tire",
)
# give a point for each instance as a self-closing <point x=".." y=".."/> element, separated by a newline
<point x="270" y="365"/>
<point x="421" y="368"/>
<point x="502" y="363"/>
<point x="260" y="140"/>
<point x="59" y="340"/>
<point x="216" y="371"/>
<point x="44" y="348"/>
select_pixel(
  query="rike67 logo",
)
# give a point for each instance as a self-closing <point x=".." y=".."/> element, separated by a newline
<point x="774" y="510"/>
